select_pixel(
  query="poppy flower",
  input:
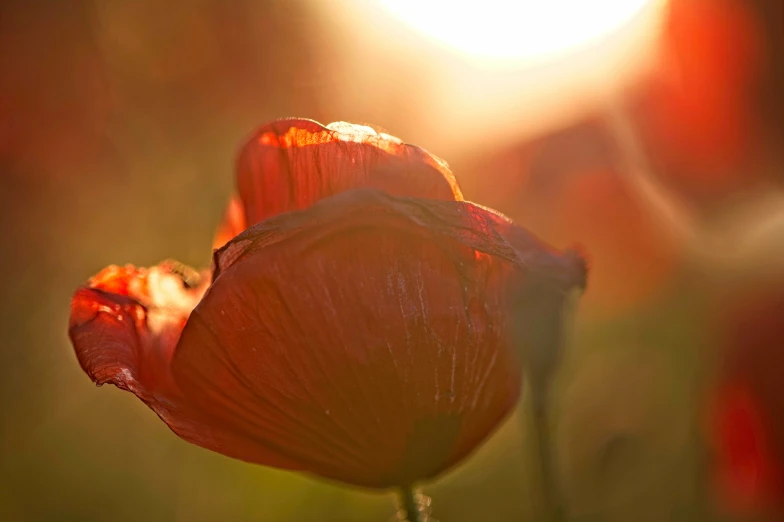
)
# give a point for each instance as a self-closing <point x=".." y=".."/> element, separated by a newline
<point x="357" y="330"/>
<point x="747" y="407"/>
<point x="697" y="116"/>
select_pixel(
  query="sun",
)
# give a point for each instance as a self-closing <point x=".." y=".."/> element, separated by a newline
<point x="520" y="31"/>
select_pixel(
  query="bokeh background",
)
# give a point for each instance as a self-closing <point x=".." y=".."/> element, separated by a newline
<point x="657" y="146"/>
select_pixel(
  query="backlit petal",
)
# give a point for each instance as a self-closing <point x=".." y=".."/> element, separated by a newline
<point x="365" y="338"/>
<point x="232" y="224"/>
<point x="125" y="324"/>
<point x="290" y="164"/>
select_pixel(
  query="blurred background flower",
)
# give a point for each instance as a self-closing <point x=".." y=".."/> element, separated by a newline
<point x="118" y="124"/>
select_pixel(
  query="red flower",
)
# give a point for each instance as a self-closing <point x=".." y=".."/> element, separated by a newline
<point x="362" y="337"/>
<point x="747" y="410"/>
<point x="697" y="116"/>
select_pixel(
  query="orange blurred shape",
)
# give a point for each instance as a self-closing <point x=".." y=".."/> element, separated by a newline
<point x="699" y="113"/>
<point x="565" y="188"/>
<point x="630" y="257"/>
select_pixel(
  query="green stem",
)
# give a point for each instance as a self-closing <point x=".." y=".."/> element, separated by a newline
<point x="408" y="503"/>
<point x="552" y="501"/>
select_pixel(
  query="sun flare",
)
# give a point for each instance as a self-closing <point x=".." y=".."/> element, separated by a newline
<point x="528" y="30"/>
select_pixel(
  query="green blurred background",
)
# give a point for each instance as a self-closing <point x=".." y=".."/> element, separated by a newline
<point x="119" y="126"/>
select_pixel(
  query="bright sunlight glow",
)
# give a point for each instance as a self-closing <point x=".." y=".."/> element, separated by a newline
<point x="522" y="30"/>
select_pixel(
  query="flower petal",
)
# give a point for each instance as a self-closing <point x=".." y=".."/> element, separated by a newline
<point x="125" y="324"/>
<point x="366" y="337"/>
<point x="290" y="164"/>
<point x="233" y="223"/>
